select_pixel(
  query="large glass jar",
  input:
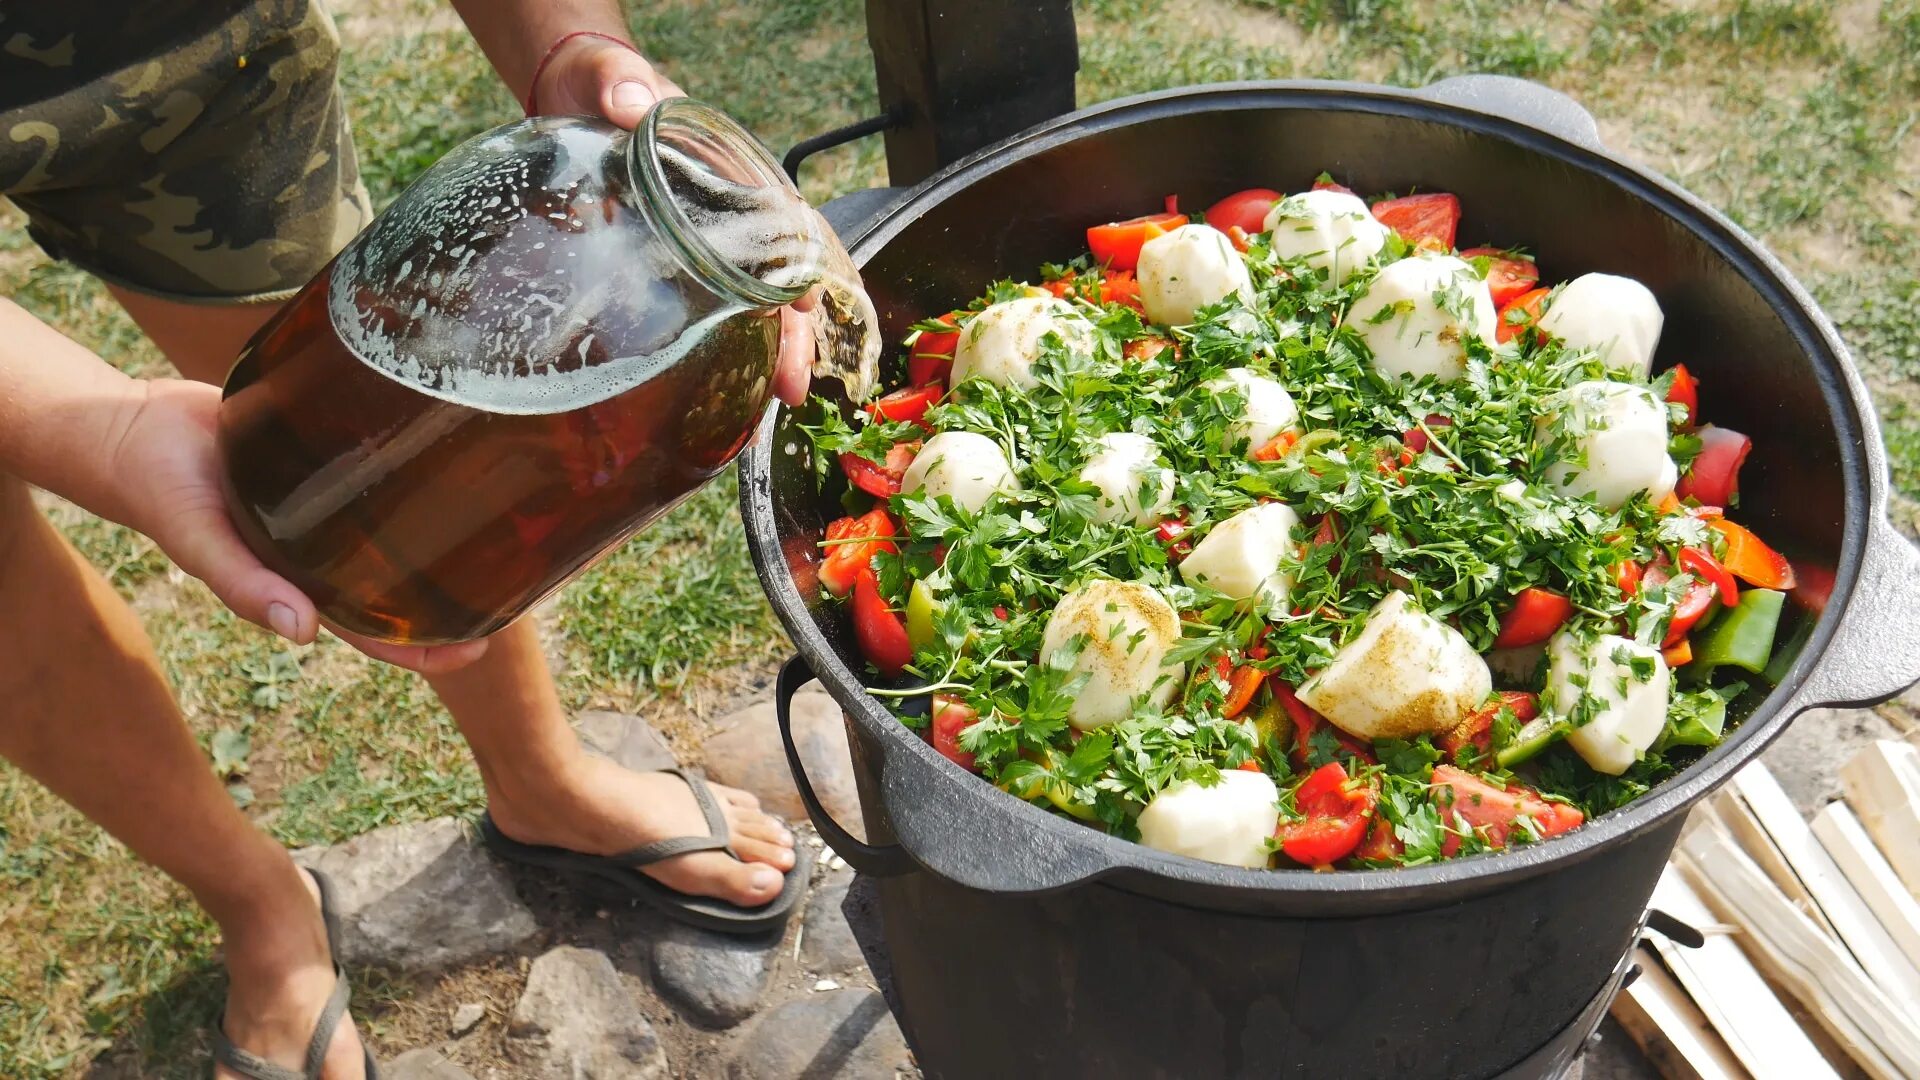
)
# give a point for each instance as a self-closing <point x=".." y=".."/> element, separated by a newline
<point x="555" y="335"/>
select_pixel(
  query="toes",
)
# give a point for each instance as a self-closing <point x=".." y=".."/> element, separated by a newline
<point x="775" y="855"/>
<point x="761" y="827"/>
<point x="716" y="874"/>
<point x="745" y="800"/>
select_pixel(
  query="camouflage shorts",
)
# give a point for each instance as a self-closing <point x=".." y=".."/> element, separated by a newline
<point x="189" y="149"/>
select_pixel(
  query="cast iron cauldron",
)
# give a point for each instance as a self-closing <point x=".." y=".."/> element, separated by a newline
<point x="1024" y="944"/>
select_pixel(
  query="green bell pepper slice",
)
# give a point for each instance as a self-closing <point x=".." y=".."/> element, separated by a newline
<point x="1742" y="637"/>
<point x="921" y="608"/>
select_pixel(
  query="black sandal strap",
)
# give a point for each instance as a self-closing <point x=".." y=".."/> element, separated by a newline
<point x="718" y="838"/>
<point x="328" y="916"/>
<point x="254" y="1067"/>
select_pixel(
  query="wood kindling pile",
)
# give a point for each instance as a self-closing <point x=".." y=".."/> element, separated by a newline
<point x="1812" y="961"/>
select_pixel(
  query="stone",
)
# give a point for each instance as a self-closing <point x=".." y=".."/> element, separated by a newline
<point x="627" y="740"/>
<point x="845" y="1034"/>
<point x="746" y="752"/>
<point x="576" y="1021"/>
<point x="422" y="1065"/>
<point x="1807" y="757"/>
<point x="467" y="1017"/>
<point x="716" y="979"/>
<point x="826" y="941"/>
<point x="421" y="898"/>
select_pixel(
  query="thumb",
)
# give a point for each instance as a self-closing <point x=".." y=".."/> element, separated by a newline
<point x="202" y="542"/>
<point x="614" y="81"/>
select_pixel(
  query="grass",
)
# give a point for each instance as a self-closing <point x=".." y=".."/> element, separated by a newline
<point x="1796" y="117"/>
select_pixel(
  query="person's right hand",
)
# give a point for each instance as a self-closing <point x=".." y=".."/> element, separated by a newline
<point x="167" y="470"/>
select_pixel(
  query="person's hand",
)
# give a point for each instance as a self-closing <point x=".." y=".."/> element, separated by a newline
<point x="167" y="468"/>
<point x="593" y="76"/>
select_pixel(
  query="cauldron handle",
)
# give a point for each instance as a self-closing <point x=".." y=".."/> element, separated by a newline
<point x="1518" y="99"/>
<point x="1874" y="653"/>
<point x="873" y="860"/>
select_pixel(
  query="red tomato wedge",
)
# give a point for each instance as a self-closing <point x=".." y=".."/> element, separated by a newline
<point x="1750" y="559"/>
<point x="1117" y="244"/>
<point x="1142" y="349"/>
<point x="1433" y="218"/>
<point x="1691" y="608"/>
<point x="1244" y="210"/>
<point x="1172" y="534"/>
<point x="1520" y="313"/>
<point x="1337" y="817"/>
<point x="1813" y="586"/>
<point x="1535" y="615"/>
<point x="951" y="716"/>
<point x="1476" y="730"/>
<point x="846" y="556"/>
<point x="1116" y="287"/>
<point x="880" y="481"/>
<point x="1626" y="574"/>
<point x="1714" y="477"/>
<point x="1494" y="813"/>
<point x="1702" y="564"/>
<point x="1306" y="722"/>
<point x="882" y="636"/>
<point x="932" y="357"/>
<point x="1382" y="843"/>
<point x="1508" y="276"/>
<point x="1685" y="390"/>
<point x="909" y="405"/>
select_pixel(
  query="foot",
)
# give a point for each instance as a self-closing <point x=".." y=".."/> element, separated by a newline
<point x="280" y="978"/>
<point x="604" y="809"/>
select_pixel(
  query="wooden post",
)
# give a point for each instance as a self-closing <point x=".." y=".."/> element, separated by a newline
<point x="966" y="73"/>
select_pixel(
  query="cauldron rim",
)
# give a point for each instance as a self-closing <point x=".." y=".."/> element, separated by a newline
<point x="1355" y="892"/>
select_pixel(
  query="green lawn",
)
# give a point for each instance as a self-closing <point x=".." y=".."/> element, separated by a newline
<point x="1795" y="117"/>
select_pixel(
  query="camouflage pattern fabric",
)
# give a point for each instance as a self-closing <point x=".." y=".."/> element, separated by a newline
<point x="191" y="149"/>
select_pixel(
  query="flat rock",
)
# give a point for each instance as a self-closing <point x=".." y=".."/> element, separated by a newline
<point x="467" y="1017"/>
<point x="422" y="1065"/>
<point x="627" y="740"/>
<point x="422" y="897"/>
<point x="716" y="979"/>
<point x="846" y="1034"/>
<point x="1808" y="755"/>
<point x="827" y="945"/>
<point x="576" y="1021"/>
<point x="746" y="753"/>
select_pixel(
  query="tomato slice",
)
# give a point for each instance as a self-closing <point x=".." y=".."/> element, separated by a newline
<point x="1535" y="615"/>
<point x="1337" y="816"/>
<point x="1382" y="843"/>
<point x="1476" y="730"/>
<point x="1714" y="477"/>
<point x="1520" y="313"/>
<point x="908" y="405"/>
<point x="1626" y="574"/>
<point x="846" y="557"/>
<point x="1172" y="534"/>
<point x="1306" y="722"/>
<point x="882" y="635"/>
<point x="1428" y="220"/>
<point x="1494" y="813"/>
<point x="1685" y="390"/>
<point x="1702" y="564"/>
<point x="931" y="360"/>
<point x="1142" y="349"/>
<point x="1507" y="275"/>
<point x="880" y="481"/>
<point x="1327" y="183"/>
<point x="1244" y="210"/>
<point x="1117" y="243"/>
<point x="1691" y="609"/>
<point x="1750" y="559"/>
<point x="951" y="716"/>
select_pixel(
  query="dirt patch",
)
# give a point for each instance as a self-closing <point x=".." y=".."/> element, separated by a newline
<point x="1259" y="29"/>
<point x="361" y="21"/>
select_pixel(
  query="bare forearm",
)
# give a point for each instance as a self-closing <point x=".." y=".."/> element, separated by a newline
<point x="63" y="411"/>
<point x="516" y="33"/>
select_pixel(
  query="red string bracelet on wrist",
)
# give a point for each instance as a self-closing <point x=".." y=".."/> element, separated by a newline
<point x="533" y="86"/>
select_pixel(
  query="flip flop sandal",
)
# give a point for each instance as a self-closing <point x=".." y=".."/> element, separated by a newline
<point x="256" y="1068"/>
<point x="622" y="871"/>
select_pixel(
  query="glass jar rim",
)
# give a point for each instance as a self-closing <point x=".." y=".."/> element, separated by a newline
<point x="744" y="150"/>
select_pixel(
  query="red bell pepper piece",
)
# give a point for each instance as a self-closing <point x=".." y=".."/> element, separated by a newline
<point x="1750" y="559"/>
<point x="1173" y="536"/>
<point x="1714" y="477"/>
<point x="1520" y="313"/>
<point x="1241" y="686"/>
<point x="1327" y="183"/>
<point x="1685" y="390"/>
<point x="1277" y="447"/>
<point x="882" y="636"/>
<point x="931" y="359"/>
<point x="1494" y="813"/>
<point x="1306" y="722"/>
<point x="1117" y="244"/>
<point x="880" y="481"/>
<point x="1535" y="615"/>
<point x="951" y="716"/>
<point x="908" y="405"/>
<point x="1337" y="815"/>
<point x="1702" y="564"/>
<point x="1813" y="586"/>
<point x="1243" y="210"/>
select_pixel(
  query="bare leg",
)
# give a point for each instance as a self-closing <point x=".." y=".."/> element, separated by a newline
<point x="542" y="788"/>
<point x="105" y="735"/>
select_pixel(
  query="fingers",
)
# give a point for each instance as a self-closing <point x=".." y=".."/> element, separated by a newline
<point x="794" y="369"/>
<point x="201" y="540"/>
<point x="425" y="659"/>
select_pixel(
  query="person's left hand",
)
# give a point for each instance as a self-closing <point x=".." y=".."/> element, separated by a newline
<point x="592" y="76"/>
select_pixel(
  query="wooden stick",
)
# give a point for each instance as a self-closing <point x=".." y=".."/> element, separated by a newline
<point x="1840" y="834"/>
<point x="1854" y="923"/>
<point x="1806" y="961"/>
<point x="1882" y="782"/>
<point x="1670" y="1029"/>
<point x="1732" y="812"/>
<point x="1757" y="1029"/>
